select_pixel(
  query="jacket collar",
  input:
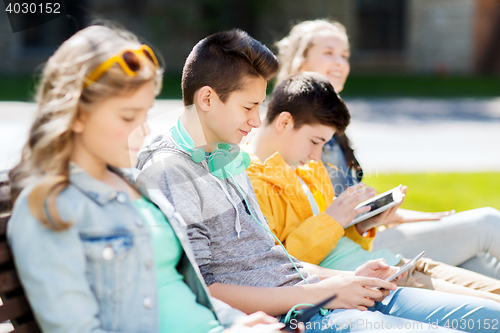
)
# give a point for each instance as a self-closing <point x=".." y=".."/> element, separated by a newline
<point x="276" y="171"/>
<point x="279" y="174"/>
<point x="94" y="188"/>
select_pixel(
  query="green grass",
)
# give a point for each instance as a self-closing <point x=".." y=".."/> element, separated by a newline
<point x="21" y="88"/>
<point x="436" y="192"/>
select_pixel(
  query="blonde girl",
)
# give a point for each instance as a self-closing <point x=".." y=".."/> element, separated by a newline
<point x="96" y="249"/>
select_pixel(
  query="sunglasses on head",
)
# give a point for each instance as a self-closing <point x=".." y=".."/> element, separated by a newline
<point x="129" y="61"/>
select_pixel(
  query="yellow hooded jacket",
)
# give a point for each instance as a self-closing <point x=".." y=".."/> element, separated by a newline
<point x="288" y="212"/>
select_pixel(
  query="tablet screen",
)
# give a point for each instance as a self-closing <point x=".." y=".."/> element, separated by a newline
<point x="380" y="202"/>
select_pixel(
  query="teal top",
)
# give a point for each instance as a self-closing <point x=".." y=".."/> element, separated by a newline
<point x="178" y="309"/>
<point x="348" y="255"/>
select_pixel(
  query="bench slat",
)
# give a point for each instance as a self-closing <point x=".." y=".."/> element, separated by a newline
<point x="5" y="206"/>
<point x="9" y="281"/>
<point x="4" y="176"/>
<point x="5" y="255"/>
<point x="3" y="224"/>
<point x="29" y="327"/>
<point x="14" y="308"/>
<point x="5" y="198"/>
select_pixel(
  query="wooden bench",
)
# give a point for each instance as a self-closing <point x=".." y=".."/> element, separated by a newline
<point x="15" y="307"/>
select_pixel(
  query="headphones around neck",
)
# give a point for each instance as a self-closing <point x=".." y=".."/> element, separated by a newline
<point x="225" y="161"/>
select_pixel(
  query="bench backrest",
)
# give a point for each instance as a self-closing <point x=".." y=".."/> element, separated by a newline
<point x="15" y="306"/>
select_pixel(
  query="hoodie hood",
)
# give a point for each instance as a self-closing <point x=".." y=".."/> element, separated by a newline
<point x="164" y="144"/>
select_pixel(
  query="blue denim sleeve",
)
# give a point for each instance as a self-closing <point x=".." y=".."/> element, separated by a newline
<point x="51" y="266"/>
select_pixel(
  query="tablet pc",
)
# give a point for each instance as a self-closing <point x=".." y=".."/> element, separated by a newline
<point x="406" y="267"/>
<point x="378" y="204"/>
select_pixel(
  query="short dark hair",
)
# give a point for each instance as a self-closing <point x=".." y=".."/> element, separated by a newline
<point x="311" y="99"/>
<point x="222" y="60"/>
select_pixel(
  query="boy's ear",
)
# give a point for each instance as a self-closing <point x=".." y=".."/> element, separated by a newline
<point x="204" y="97"/>
<point x="284" y="121"/>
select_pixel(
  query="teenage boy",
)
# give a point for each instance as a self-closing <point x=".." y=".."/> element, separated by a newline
<point x="225" y="78"/>
<point x="296" y="196"/>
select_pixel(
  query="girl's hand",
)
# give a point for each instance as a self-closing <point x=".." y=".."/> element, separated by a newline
<point x="342" y="207"/>
<point x="409" y="216"/>
<point x="257" y="322"/>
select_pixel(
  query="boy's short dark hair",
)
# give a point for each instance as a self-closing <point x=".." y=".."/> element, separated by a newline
<point x="222" y="60"/>
<point x="311" y="99"/>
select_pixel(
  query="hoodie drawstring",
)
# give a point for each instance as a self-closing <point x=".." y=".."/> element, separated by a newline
<point x="237" y="224"/>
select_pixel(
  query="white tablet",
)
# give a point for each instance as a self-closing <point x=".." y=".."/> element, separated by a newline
<point x="406" y="267"/>
<point x="378" y="204"/>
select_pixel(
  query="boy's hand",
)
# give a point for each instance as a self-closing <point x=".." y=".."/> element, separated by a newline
<point x="378" y="269"/>
<point x="353" y="292"/>
<point x="257" y="322"/>
<point x="342" y="208"/>
<point x="383" y="218"/>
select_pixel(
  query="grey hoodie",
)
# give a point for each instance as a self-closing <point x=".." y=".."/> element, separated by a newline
<point x="229" y="245"/>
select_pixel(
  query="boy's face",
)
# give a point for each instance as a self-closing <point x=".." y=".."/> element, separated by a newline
<point x="299" y="146"/>
<point x="231" y="121"/>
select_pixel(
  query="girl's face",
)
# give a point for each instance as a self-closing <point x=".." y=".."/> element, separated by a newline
<point x="329" y="56"/>
<point x="113" y="130"/>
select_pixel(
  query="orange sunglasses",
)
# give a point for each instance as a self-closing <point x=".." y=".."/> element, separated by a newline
<point x="129" y="61"/>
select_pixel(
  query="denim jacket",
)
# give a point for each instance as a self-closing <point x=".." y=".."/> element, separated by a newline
<point x="333" y="154"/>
<point x="98" y="275"/>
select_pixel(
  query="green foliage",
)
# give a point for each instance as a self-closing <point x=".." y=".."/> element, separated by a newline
<point x="171" y="87"/>
<point x="421" y="86"/>
<point x="436" y="192"/>
<point x="21" y="88"/>
<point x="17" y="88"/>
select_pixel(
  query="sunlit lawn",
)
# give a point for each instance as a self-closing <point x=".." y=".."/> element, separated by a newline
<point x="443" y="191"/>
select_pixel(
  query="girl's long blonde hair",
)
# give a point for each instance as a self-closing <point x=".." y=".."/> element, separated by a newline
<point x="292" y="50"/>
<point x="61" y="97"/>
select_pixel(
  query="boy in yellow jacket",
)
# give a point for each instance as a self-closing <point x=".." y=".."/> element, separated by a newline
<point x="296" y="196"/>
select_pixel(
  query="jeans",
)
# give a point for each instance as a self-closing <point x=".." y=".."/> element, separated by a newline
<point x="413" y="309"/>
<point x="469" y="239"/>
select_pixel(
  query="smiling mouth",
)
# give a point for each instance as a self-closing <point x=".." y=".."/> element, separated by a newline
<point x="336" y="75"/>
